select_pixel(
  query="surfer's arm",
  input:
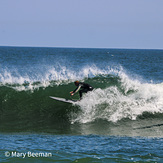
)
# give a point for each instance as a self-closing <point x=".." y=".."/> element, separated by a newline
<point x="76" y="90"/>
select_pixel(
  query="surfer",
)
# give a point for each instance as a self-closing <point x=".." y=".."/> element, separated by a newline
<point x="84" y="88"/>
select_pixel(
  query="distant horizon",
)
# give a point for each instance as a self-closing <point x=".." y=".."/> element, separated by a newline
<point x="79" y="47"/>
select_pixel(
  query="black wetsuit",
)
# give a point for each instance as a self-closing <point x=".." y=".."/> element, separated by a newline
<point x="84" y="88"/>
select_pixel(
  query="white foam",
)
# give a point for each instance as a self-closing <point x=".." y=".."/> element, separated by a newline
<point x="58" y="74"/>
<point x="112" y="105"/>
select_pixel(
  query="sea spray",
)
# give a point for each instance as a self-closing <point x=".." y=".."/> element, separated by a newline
<point x="52" y="76"/>
<point x="121" y="101"/>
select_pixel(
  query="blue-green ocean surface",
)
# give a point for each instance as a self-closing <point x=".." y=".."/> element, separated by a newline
<point x="121" y="120"/>
<point x="75" y="148"/>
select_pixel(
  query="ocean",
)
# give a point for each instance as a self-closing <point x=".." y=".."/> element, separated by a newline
<point x="121" y="120"/>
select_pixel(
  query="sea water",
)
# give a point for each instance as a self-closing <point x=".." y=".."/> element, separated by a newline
<point x="121" y="120"/>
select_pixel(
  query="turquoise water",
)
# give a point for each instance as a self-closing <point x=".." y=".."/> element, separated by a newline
<point x="121" y="120"/>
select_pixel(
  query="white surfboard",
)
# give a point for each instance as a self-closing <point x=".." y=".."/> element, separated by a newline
<point x="63" y="100"/>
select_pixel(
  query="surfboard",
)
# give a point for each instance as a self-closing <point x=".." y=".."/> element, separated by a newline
<point x="64" y="100"/>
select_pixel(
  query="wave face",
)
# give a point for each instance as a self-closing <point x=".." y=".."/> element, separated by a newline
<point x="28" y="76"/>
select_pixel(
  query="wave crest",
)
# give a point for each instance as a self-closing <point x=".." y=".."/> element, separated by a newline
<point x="127" y="99"/>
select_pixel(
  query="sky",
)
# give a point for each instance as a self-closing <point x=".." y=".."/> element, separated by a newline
<point x="82" y="23"/>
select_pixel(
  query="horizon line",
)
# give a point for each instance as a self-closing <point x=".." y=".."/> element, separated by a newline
<point x="26" y="46"/>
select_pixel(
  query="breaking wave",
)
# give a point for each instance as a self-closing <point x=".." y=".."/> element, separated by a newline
<point x="117" y="95"/>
